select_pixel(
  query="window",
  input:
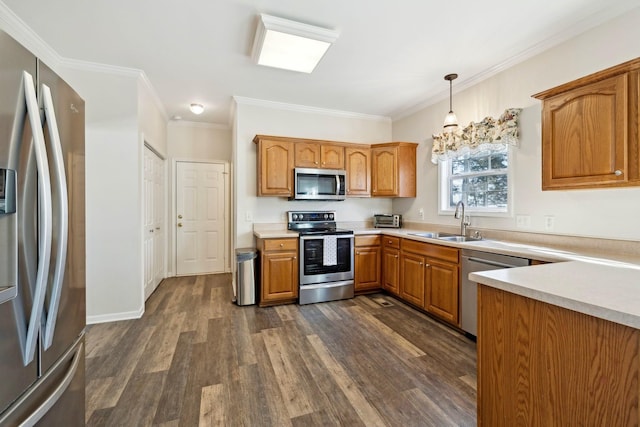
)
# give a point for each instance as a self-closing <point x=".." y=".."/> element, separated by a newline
<point x="480" y="180"/>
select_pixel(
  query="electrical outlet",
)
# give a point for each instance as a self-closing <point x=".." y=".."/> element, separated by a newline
<point x="549" y="222"/>
<point x="421" y="213"/>
<point x="248" y="216"/>
<point x="523" y="221"/>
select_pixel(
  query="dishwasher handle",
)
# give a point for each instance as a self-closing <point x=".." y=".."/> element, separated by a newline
<point x="492" y="263"/>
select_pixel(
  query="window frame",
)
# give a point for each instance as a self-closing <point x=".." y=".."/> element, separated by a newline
<point x="444" y="166"/>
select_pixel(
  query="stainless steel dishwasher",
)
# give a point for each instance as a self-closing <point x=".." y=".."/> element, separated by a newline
<point x="474" y="261"/>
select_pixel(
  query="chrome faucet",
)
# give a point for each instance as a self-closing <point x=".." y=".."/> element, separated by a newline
<point x="464" y="221"/>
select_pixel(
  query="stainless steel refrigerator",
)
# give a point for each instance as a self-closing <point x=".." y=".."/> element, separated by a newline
<point x="42" y="244"/>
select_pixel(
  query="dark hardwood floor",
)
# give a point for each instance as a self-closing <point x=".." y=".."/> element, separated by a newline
<point x="197" y="359"/>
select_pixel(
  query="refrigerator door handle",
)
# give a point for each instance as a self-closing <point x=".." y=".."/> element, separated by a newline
<point x="57" y="167"/>
<point x="45" y="217"/>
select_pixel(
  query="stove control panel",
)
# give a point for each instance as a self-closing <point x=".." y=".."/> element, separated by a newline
<point x="306" y="216"/>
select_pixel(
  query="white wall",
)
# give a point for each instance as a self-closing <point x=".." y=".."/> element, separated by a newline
<point x="193" y="141"/>
<point x="609" y="213"/>
<point x="274" y="119"/>
<point x="152" y="119"/>
<point x="113" y="194"/>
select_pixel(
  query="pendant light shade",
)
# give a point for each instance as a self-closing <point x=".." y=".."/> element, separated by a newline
<point x="450" y="121"/>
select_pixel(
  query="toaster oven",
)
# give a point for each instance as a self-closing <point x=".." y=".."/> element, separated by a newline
<point x="387" y="221"/>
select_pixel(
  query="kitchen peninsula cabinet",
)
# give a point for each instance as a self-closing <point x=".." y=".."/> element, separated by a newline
<point x="319" y="155"/>
<point x="430" y="278"/>
<point x="275" y="166"/>
<point x="542" y="364"/>
<point x="391" y="264"/>
<point x="393" y="169"/>
<point x="279" y="271"/>
<point x="358" y="166"/>
<point x="367" y="263"/>
<point x="590" y="130"/>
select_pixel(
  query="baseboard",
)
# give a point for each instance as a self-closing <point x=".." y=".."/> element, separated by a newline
<point x="115" y="317"/>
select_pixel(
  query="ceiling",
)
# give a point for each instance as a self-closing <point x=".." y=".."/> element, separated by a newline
<point x="390" y="57"/>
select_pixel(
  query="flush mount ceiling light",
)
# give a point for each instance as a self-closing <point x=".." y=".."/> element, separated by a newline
<point x="196" y="108"/>
<point x="290" y="45"/>
<point x="450" y="121"/>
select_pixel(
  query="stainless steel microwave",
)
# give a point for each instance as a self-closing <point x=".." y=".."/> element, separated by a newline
<point x="319" y="184"/>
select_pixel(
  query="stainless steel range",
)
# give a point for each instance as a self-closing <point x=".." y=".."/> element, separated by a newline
<point x="326" y="257"/>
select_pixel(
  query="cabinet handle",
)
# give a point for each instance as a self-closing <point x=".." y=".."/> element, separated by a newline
<point x="357" y="253"/>
<point x="395" y="256"/>
<point x="420" y="263"/>
<point x="427" y="266"/>
<point x="179" y="224"/>
<point x="281" y="245"/>
<point x="618" y="172"/>
<point x="295" y="257"/>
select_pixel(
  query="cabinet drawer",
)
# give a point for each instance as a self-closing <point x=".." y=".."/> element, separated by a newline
<point x="391" y="242"/>
<point x="436" y="251"/>
<point x="373" y="240"/>
<point x="280" y="245"/>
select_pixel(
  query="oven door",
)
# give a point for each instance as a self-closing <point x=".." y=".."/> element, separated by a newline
<point x="317" y="267"/>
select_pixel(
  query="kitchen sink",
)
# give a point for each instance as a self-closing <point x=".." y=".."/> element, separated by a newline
<point x="432" y="234"/>
<point x="458" y="239"/>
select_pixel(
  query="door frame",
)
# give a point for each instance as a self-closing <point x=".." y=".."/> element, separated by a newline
<point x="147" y="144"/>
<point x="174" y="212"/>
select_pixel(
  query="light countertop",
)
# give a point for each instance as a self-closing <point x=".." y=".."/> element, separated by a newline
<point x="603" y="285"/>
<point x="603" y="290"/>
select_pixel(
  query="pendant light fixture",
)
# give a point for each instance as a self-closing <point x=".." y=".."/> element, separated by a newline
<point x="450" y="121"/>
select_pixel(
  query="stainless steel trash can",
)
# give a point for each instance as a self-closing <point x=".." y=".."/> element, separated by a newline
<point x="246" y="278"/>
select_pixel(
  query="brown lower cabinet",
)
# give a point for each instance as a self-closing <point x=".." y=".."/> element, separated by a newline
<point x="391" y="265"/>
<point x="544" y="365"/>
<point x="279" y="271"/>
<point x="367" y="263"/>
<point x="430" y="278"/>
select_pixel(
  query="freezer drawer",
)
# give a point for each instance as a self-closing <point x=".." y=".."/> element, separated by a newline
<point x="57" y="398"/>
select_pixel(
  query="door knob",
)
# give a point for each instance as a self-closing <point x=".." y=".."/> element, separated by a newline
<point x="179" y="224"/>
<point x="179" y="216"/>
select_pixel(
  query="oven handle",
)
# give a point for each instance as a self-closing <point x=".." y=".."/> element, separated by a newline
<point x="322" y="236"/>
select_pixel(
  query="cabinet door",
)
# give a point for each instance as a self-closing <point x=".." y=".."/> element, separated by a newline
<point x="412" y="278"/>
<point x="442" y="290"/>
<point x="384" y="171"/>
<point x="275" y="168"/>
<point x="367" y="268"/>
<point x="584" y="137"/>
<point x="358" y="172"/>
<point x="332" y="156"/>
<point x="391" y="270"/>
<point x="279" y="276"/>
<point x="307" y="155"/>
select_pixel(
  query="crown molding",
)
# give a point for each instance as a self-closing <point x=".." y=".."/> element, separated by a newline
<point x="13" y="25"/>
<point x="19" y="30"/>
<point x="568" y="33"/>
<point x="240" y="100"/>
<point x="96" y="67"/>
<point x="203" y="125"/>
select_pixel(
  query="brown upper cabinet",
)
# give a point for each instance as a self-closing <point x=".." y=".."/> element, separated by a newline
<point x="358" y="166"/>
<point x="380" y="170"/>
<point x="393" y="169"/>
<point x="274" y="156"/>
<point x="590" y="130"/>
<point x="316" y="155"/>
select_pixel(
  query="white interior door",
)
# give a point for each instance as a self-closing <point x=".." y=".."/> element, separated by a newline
<point x="154" y="236"/>
<point x="200" y="208"/>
